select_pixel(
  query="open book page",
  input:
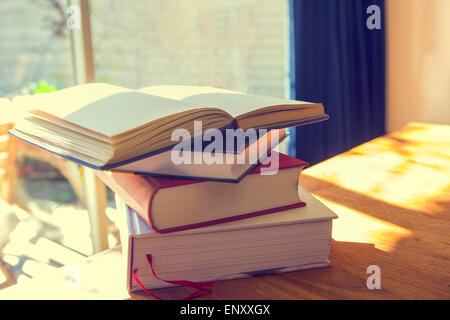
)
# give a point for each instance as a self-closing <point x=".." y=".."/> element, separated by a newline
<point x="235" y="103"/>
<point x="107" y="109"/>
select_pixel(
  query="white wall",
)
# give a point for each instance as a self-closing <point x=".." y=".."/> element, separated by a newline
<point x="418" y="66"/>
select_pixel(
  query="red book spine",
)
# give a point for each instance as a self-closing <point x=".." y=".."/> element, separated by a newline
<point x="139" y="191"/>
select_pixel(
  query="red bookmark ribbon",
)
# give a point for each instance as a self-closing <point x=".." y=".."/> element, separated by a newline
<point x="202" y="287"/>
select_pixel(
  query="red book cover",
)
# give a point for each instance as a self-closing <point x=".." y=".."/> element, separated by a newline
<point x="138" y="192"/>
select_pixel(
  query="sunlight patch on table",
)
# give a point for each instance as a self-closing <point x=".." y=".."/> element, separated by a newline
<point x="355" y="226"/>
<point x="408" y="169"/>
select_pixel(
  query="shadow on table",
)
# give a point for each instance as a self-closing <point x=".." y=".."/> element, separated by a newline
<point x="415" y="265"/>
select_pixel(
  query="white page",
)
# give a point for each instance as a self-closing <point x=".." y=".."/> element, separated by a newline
<point x="233" y="102"/>
<point x="111" y="110"/>
<point x="107" y="109"/>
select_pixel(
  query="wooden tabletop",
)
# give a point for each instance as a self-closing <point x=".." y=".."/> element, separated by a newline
<point x="392" y="196"/>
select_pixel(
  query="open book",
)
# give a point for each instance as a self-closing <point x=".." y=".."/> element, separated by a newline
<point x="104" y="126"/>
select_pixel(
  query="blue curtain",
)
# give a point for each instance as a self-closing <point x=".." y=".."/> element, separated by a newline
<point x="337" y="60"/>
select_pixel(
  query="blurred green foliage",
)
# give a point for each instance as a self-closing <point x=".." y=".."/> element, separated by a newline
<point x="64" y="196"/>
<point x="40" y="87"/>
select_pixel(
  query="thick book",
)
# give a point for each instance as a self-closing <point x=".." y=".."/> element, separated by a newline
<point x="290" y="240"/>
<point x="231" y="162"/>
<point x="231" y="165"/>
<point x="169" y="205"/>
<point x="102" y="126"/>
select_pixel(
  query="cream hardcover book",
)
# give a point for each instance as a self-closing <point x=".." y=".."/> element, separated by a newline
<point x="291" y="240"/>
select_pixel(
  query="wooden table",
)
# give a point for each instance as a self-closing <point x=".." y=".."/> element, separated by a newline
<point x="392" y="196"/>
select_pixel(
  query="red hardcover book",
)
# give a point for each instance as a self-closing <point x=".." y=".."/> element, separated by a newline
<point x="177" y="204"/>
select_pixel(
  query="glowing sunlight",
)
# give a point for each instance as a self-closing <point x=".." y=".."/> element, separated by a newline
<point x="355" y="226"/>
<point x="411" y="150"/>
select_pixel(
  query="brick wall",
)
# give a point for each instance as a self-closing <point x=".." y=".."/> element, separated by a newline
<point x="29" y="49"/>
<point x="235" y="44"/>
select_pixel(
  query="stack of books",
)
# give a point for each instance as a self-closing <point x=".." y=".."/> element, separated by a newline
<point x="201" y="193"/>
<point x="288" y="240"/>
